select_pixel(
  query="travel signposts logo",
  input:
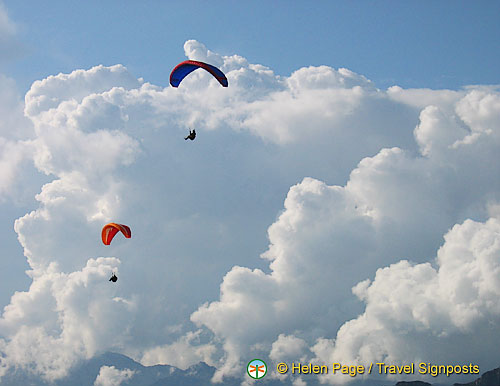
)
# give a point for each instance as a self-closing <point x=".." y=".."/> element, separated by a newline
<point x="257" y="369"/>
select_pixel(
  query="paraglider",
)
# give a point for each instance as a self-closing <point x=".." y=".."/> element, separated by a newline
<point x="191" y="136"/>
<point x="110" y="230"/>
<point x="113" y="278"/>
<point x="185" y="68"/>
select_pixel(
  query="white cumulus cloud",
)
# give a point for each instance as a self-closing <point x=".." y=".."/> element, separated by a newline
<point x="394" y="206"/>
<point x="357" y="187"/>
<point x="111" y="376"/>
<point x="421" y="313"/>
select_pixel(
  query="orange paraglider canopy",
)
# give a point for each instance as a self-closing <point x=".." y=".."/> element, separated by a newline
<point x="110" y="230"/>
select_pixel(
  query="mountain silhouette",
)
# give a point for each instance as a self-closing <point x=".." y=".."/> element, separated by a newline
<point x="86" y="372"/>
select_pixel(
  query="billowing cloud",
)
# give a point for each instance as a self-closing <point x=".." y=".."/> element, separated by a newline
<point x="183" y="353"/>
<point x="419" y="313"/>
<point x="111" y="376"/>
<point x="395" y="205"/>
<point x="195" y="50"/>
<point x="16" y="132"/>
<point x="288" y="348"/>
<point x="63" y="318"/>
<point x="375" y="179"/>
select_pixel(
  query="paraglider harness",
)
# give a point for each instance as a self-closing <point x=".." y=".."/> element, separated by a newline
<point x="113" y="278"/>
<point x="191" y="136"/>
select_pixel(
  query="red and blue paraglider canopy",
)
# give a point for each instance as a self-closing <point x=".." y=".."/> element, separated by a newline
<point x="185" y="68"/>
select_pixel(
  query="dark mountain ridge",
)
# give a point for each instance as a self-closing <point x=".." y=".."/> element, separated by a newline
<point x="87" y="371"/>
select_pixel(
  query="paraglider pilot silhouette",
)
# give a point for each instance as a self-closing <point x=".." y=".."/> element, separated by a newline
<point x="191" y="136"/>
<point x="113" y="278"/>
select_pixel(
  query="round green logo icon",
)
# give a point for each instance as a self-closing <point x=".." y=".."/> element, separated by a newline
<point x="256" y="369"/>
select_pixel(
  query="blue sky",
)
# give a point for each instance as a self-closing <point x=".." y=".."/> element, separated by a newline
<point x="341" y="200"/>
<point x="407" y="43"/>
